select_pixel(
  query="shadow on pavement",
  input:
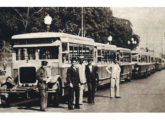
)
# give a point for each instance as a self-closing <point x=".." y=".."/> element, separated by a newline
<point x="102" y="96"/>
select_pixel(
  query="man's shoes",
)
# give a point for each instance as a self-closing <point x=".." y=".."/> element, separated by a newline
<point x="43" y="110"/>
<point x="77" y="107"/>
<point x="80" y="103"/>
<point x="111" y="97"/>
<point x="117" y="97"/>
<point x="90" y="101"/>
<point x="70" y="108"/>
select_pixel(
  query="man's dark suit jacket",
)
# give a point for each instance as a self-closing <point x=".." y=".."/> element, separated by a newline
<point x="91" y="76"/>
<point x="73" y="76"/>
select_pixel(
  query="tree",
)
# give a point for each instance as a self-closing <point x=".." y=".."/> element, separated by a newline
<point x="99" y="23"/>
<point x="137" y="39"/>
<point x="121" y="31"/>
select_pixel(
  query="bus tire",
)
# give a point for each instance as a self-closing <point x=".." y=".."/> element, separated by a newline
<point x="4" y="102"/>
<point x="56" y="100"/>
<point x="146" y="74"/>
<point x="128" y="80"/>
<point x="58" y="94"/>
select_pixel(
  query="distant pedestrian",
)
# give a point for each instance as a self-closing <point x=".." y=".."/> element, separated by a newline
<point x="73" y="81"/>
<point x="81" y="69"/>
<point x="92" y="78"/>
<point x="42" y="77"/>
<point x="114" y="70"/>
<point x="4" y="66"/>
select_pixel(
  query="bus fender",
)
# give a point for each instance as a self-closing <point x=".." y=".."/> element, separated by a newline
<point x="55" y="79"/>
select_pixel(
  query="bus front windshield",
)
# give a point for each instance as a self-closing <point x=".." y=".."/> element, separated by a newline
<point x="37" y="53"/>
<point x="134" y="57"/>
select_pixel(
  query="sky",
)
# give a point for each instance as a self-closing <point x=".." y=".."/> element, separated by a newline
<point x="147" y="22"/>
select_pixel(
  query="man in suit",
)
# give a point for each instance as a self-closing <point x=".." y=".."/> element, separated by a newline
<point x="41" y="76"/>
<point x="92" y="78"/>
<point x="114" y="70"/>
<point x="73" y="82"/>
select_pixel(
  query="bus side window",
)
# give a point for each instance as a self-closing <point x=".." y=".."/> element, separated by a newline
<point x="80" y="50"/>
<point x="99" y="59"/>
<point x="76" y="51"/>
<point x="90" y="52"/>
<point x="65" y="53"/>
<point x="64" y="47"/>
<point x="99" y="56"/>
<point x="31" y="53"/>
<point x="17" y="54"/>
<point x="48" y="53"/>
<point x="71" y="51"/>
<point x="22" y="54"/>
<point x="65" y="58"/>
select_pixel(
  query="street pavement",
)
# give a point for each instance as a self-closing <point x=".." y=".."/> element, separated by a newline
<point x="142" y="95"/>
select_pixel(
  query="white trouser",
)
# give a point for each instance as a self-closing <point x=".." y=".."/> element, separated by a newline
<point x="114" y="82"/>
<point x="0" y="98"/>
<point x="82" y="87"/>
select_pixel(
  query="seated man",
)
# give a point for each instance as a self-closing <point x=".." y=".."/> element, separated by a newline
<point x="6" y="84"/>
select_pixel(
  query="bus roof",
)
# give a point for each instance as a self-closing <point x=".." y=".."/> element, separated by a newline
<point x="50" y="35"/>
<point x="139" y="52"/>
<point x="105" y="46"/>
<point x="123" y="49"/>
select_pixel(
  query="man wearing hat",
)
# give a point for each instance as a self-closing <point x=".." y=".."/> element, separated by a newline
<point x="73" y="81"/>
<point x="41" y="76"/>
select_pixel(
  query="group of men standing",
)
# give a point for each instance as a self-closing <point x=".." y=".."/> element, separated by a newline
<point x="82" y="75"/>
<point x="78" y="75"/>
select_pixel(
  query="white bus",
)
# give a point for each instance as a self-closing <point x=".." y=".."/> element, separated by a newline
<point x="55" y="48"/>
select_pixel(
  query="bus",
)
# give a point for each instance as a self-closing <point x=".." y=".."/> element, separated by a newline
<point x="104" y="55"/>
<point x="124" y="58"/>
<point x="30" y="49"/>
<point x="144" y="64"/>
<point x="159" y="63"/>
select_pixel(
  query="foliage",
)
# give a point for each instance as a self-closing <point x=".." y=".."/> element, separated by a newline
<point x="99" y="23"/>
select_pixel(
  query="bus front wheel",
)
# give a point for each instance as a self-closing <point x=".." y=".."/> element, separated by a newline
<point x="58" y="93"/>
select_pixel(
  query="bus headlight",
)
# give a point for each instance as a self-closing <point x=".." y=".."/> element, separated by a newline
<point x="137" y="68"/>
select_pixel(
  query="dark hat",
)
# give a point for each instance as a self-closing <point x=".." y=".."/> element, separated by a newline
<point x="44" y="63"/>
<point x="73" y="59"/>
<point x="89" y="60"/>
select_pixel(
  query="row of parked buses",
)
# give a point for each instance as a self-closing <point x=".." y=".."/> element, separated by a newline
<point x="58" y="49"/>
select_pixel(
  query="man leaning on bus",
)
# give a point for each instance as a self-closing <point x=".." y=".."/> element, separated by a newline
<point x="73" y="82"/>
<point x="41" y="77"/>
<point x="114" y="71"/>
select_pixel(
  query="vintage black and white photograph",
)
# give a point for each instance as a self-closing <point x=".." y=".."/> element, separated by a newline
<point x="82" y="59"/>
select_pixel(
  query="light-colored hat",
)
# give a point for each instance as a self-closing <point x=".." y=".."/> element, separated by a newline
<point x="82" y="57"/>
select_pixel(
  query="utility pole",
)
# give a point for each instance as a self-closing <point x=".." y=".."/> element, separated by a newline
<point x="82" y="22"/>
<point x="163" y="46"/>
